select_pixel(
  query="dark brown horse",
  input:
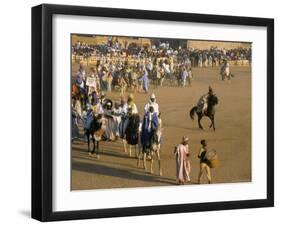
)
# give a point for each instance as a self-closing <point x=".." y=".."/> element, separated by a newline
<point x="210" y="113"/>
<point x="97" y="131"/>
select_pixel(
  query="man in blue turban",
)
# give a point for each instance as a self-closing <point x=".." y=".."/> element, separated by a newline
<point x="149" y="126"/>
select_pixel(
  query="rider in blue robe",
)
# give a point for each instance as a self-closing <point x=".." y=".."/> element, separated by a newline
<point x="145" y="80"/>
<point x="149" y="126"/>
<point x="89" y="117"/>
<point x="80" y="79"/>
<point x="80" y="82"/>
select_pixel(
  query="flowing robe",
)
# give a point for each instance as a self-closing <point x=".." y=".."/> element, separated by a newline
<point x="149" y="126"/>
<point x="182" y="163"/>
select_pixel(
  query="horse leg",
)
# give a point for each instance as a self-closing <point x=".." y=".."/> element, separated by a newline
<point x="158" y="157"/>
<point x="139" y="154"/>
<point x="130" y="150"/>
<point x="151" y="162"/>
<point x="88" y="141"/>
<point x="213" y="122"/>
<point x="199" y="122"/>
<point x="98" y="149"/>
<point x="139" y="158"/>
<point x="136" y="151"/>
<point x="124" y="145"/>
<point x="94" y="145"/>
<point x="144" y="160"/>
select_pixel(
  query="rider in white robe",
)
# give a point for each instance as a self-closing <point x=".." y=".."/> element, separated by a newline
<point x="225" y="68"/>
<point x="202" y="104"/>
<point x="152" y="103"/>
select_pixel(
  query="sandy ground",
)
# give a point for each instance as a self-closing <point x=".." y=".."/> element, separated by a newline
<point x="232" y="138"/>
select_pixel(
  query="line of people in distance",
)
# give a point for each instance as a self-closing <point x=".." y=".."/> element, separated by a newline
<point x="161" y="48"/>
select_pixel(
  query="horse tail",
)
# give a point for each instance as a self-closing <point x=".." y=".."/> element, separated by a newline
<point x="192" y="112"/>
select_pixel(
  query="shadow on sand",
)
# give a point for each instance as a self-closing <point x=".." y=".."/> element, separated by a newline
<point x="121" y="173"/>
<point x="111" y="152"/>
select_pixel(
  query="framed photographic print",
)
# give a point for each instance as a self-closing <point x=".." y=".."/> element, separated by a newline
<point x="146" y="112"/>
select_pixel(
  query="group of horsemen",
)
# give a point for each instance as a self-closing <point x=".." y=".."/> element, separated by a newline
<point x="123" y="76"/>
<point x="136" y="76"/>
<point x="115" y="118"/>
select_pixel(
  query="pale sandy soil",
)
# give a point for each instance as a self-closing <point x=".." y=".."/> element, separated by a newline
<point x="232" y="139"/>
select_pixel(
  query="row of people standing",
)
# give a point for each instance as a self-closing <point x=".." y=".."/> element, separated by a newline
<point x="161" y="49"/>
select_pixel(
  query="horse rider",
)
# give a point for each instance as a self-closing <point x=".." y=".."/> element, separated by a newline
<point x="74" y="123"/>
<point x="127" y="108"/>
<point x="144" y="78"/>
<point x="122" y="107"/>
<point x="92" y="81"/>
<point x="80" y="79"/>
<point x="152" y="103"/>
<point x="149" y="67"/>
<point x="184" y="76"/>
<point x="131" y="104"/>
<point x="102" y="98"/>
<point x="225" y="68"/>
<point x="202" y="104"/>
<point x="132" y="129"/>
<point x="149" y="126"/>
<point x="119" y="113"/>
<point x="94" y="109"/>
<point x="96" y="106"/>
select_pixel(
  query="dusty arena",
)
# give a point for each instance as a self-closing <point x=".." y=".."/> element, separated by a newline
<point x="232" y="138"/>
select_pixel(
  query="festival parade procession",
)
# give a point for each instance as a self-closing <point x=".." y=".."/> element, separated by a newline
<point x="155" y="112"/>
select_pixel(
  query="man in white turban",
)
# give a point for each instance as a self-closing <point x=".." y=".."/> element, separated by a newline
<point x="152" y="103"/>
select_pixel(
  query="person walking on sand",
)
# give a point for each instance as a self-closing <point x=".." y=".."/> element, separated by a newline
<point x="144" y="79"/>
<point x="204" y="163"/>
<point x="182" y="162"/>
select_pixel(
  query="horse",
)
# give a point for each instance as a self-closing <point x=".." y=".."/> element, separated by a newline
<point x="212" y="100"/>
<point x="99" y="126"/>
<point x="151" y="147"/>
<point x="96" y="129"/>
<point x="160" y="76"/>
<point x="133" y="82"/>
<point x="131" y="133"/>
<point x="226" y="74"/>
<point x="121" y="84"/>
<point x="155" y="77"/>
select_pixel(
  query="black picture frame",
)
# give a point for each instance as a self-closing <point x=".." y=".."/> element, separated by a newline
<point x="42" y="111"/>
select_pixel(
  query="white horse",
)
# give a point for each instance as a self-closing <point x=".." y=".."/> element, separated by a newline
<point x="155" y="149"/>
